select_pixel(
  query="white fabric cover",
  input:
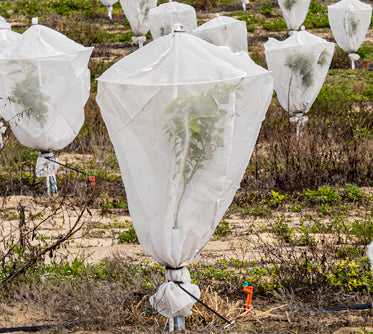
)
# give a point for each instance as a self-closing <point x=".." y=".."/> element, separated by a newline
<point x="349" y="21"/>
<point x="294" y="12"/>
<point x="224" y="31"/>
<point x="137" y="12"/>
<point x="183" y="116"/>
<point x="44" y="166"/>
<point x="7" y="37"/>
<point x="170" y="300"/>
<point x="46" y="78"/>
<point x="4" y="24"/>
<point x="108" y="3"/>
<point x="370" y="255"/>
<point x="299" y="66"/>
<point x="163" y="18"/>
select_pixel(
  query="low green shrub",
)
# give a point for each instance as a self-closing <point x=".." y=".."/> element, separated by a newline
<point x="267" y="8"/>
<point x="317" y="16"/>
<point x="275" y="25"/>
<point x="128" y="237"/>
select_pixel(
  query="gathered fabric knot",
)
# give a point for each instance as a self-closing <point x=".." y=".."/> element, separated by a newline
<point x="170" y="300"/>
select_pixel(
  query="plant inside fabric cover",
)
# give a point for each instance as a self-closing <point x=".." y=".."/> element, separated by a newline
<point x="299" y="66"/>
<point x="349" y="21"/>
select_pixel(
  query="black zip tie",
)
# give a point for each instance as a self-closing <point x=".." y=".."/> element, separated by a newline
<point x="205" y="305"/>
<point x="171" y="268"/>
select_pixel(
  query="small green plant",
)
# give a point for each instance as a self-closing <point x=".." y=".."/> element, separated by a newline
<point x="282" y="230"/>
<point x="222" y="230"/>
<point x="128" y="237"/>
<point x="353" y="193"/>
<point x="351" y="23"/>
<point x="105" y="204"/>
<point x="325" y="210"/>
<point x="276" y="199"/>
<point x="195" y="132"/>
<point x="352" y="275"/>
<point x="267" y="8"/>
<point x="289" y="4"/>
<point x="350" y="252"/>
<point x="29" y="93"/>
<point x="304" y="238"/>
<point x="275" y="25"/>
<point x="296" y="208"/>
<point x="301" y="64"/>
<point x="322" y="195"/>
<point x="317" y="16"/>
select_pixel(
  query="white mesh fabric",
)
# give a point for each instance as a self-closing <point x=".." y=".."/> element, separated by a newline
<point x="183" y="116"/>
<point x="299" y="66"/>
<point x="7" y="37"/>
<point x="4" y="24"/>
<point x="370" y="255"/>
<point x="137" y="12"/>
<point x="349" y="21"/>
<point x="294" y="12"/>
<point x="170" y="300"/>
<point x="224" y="31"/>
<point x="46" y="80"/>
<point x="163" y="18"/>
<point x="108" y="3"/>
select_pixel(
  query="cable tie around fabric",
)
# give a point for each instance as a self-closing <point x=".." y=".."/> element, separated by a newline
<point x="205" y="305"/>
<point x="178" y="268"/>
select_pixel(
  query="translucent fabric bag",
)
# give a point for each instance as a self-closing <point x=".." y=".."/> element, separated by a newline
<point x="299" y="66"/>
<point x="137" y="12"/>
<point x="45" y="81"/>
<point x="224" y="31"/>
<point x="163" y="18"/>
<point x="7" y="37"/>
<point x="183" y="116"/>
<point x="349" y="21"/>
<point x="109" y="6"/>
<point x="294" y="12"/>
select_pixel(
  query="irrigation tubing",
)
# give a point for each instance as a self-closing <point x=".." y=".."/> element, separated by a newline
<point x="343" y="308"/>
<point x="205" y="305"/>
<point x="31" y="329"/>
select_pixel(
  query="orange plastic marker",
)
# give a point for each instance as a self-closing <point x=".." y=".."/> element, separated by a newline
<point x="367" y="63"/>
<point x="92" y="179"/>
<point x="248" y="295"/>
<point x="118" y="16"/>
<point x="252" y="5"/>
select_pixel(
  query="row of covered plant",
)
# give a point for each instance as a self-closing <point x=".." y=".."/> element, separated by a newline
<point x="183" y="115"/>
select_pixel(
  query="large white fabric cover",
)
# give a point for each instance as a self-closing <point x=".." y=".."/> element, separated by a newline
<point x="163" y="18"/>
<point x="349" y="21"/>
<point x="46" y="81"/>
<point x="294" y="12"/>
<point x="7" y="37"/>
<point x="224" y="31"/>
<point x="299" y="66"/>
<point x="137" y="12"/>
<point x="183" y="116"/>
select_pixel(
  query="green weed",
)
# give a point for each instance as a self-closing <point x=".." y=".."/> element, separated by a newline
<point x="222" y="230"/>
<point x="275" y="25"/>
<point x="128" y="237"/>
